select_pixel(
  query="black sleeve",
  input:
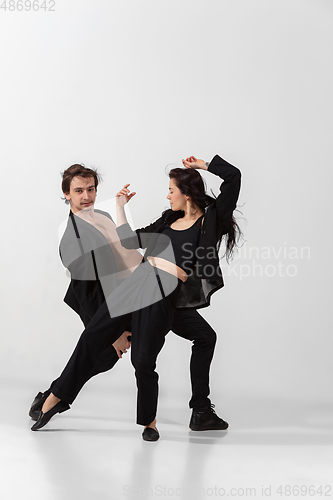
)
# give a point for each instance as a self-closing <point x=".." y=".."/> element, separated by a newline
<point x="138" y="238"/>
<point x="229" y="190"/>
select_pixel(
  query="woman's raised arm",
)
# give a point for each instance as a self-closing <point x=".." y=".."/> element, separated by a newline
<point x="226" y="201"/>
<point x="229" y="190"/>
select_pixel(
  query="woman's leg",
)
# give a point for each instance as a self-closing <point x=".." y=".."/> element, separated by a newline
<point x="190" y="325"/>
<point x="149" y="328"/>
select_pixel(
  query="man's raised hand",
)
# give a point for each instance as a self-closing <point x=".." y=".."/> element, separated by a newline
<point x="124" y="195"/>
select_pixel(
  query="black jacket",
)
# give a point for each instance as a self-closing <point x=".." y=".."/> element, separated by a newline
<point x="85" y="252"/>
<point x="207" y="276"/>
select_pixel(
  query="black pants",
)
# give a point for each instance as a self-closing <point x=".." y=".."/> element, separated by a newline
<point x="190" y="325"/>
<point x="150" y="325"/>
<point x="95" y="354"/>
<point x="87" y="358"/>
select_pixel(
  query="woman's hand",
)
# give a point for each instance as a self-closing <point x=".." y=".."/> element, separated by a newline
<point x="193" y="162"/>
<point x="124" y="196"/>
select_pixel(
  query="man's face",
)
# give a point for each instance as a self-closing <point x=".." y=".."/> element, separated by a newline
<point x="82" y="193"/>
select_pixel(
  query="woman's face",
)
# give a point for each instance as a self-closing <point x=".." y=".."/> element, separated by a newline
<point x="176" y="198"/>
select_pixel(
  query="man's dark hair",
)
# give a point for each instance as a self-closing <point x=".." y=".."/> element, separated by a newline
<point x="74" y="171"/>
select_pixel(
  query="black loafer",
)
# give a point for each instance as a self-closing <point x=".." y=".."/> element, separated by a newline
<point x="37" y="404"/>
<point x="205" y="419"/>
<point x="44" y="418"/>
<point x="150" y="434"/>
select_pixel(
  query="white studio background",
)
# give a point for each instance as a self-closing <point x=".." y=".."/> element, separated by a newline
<point x="130" y="87"/>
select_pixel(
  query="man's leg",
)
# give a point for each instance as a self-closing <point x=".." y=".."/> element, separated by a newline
<point x="98" y="336"/>
<point x="101" y="332"/>
<point x="104" y="362"/>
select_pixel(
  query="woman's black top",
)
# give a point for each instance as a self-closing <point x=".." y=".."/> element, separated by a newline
<point x="206" y="277"/>
<point x="184" y="244"/>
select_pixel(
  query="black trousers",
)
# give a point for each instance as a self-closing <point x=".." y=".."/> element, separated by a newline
<point x="95" y="354"/>
<point x="150" y="325"/>
<point x="88" y="358"/>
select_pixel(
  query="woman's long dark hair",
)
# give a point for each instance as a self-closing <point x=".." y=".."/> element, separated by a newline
<point x="190" y="183"/>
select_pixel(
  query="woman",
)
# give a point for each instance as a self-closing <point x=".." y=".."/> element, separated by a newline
<point x="195" y="220"/>
<point x="195" y="225"/>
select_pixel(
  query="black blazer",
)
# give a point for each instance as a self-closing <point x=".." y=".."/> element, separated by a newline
<point x="85" y="252"/>
<point x="207" y="277"/>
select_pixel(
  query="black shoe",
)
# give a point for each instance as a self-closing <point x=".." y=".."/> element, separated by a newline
<point x="44" y="418"/>
<point x="150" y="434"/>
<point x="37" y="404"/>
<point x="205" y="419"/>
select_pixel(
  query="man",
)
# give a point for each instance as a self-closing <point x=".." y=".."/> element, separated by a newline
<point x="91" y="251"/>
